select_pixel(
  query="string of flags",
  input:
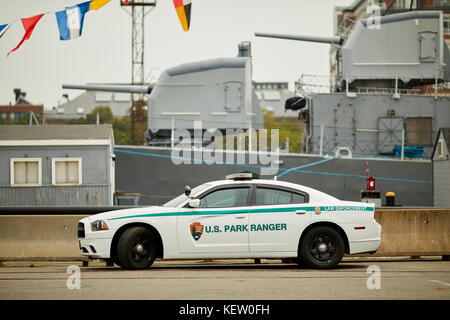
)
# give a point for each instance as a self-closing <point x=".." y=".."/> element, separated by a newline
<point x="70" y="20"/>
<point x="183" y="8"/>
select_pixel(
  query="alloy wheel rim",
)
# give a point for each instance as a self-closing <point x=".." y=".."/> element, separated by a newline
<point x="140" y="249"/>
<point x="322" y="248"/>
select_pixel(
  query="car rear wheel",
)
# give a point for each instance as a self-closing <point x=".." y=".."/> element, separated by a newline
<point x="136" y="248"/>
<point x="322" y="248"/>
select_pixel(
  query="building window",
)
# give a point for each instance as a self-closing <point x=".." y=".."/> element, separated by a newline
<point x="66" y="171"/>
<point x="419" y="131"/>
<point x="447" y="25"/>
<point x="26" y="172"/>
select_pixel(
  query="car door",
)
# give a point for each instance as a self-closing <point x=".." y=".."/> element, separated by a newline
<point x="277" y="218"/>
<point x="219" y="225"/>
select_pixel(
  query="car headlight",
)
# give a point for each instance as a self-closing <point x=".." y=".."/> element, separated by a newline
<point x="99" y="225"/>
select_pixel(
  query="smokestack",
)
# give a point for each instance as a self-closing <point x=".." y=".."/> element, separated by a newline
<point x="245" y="49"/>
<point x="17" y="93"/>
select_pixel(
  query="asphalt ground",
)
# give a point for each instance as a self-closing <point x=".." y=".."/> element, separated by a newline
<point x="353" y="279"/>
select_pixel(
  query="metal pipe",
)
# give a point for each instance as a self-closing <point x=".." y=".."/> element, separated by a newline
<point x="321" y="39"/>
<point x="110" y="88"/>
<point x="402" y="157"/>
<point x="321" y="141"/>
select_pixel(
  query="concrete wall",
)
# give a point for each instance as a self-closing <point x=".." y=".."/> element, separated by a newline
<point x="407" y="232"/>
<point x="39" y="236"/>
<point x="414" y="232"/>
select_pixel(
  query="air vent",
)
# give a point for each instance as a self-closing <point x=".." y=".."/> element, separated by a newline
<point x="80" y="230"/>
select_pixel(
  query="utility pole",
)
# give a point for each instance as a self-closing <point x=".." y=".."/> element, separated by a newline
<point x="139" y="10"/>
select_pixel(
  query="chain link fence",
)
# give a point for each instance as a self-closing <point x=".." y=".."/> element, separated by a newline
<point x="395" y="143"/>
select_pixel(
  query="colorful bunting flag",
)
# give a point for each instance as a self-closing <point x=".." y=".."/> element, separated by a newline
<point x="28" y="24"/>
<point x="183" y="8"/>
<point x="70" y="21"/>
<point x="4" y="28"/>
<point x="97" y="4"/>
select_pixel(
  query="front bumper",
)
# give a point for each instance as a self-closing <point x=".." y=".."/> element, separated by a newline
<point x="95" y="248"/>
<point x="96" y="245"/>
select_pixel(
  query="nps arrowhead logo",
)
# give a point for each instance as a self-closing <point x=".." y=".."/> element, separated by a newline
<point x="196" y="230"/>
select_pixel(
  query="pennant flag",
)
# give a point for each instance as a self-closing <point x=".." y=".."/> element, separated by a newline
<point x="97" y="4"/>
<point x="70" y="21"/>
<point x="183" y="8"/>
<point x="28" y="24"/>
<point x="126" y="3"/>
<point x="4" y="27"/>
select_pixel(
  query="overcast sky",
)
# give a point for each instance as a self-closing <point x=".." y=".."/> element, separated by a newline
<point x="103" y="53"/>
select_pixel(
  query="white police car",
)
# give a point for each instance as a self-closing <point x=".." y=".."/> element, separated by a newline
<point x="235" y="218"/>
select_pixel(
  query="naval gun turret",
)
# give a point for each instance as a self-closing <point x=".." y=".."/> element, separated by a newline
<point x="402" y="50"/>
<point x="216" y="93"/>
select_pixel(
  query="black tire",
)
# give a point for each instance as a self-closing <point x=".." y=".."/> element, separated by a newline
<point x="116" y="261"/>
<point x="321" y="248"/>
<point x="136" y="248"/>
<point x="299" y="261"/>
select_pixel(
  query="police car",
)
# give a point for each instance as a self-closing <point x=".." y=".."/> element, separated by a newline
<point x="239" y="217"/>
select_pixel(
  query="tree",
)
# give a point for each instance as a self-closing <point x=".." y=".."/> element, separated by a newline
<point x="287" y="130"/>
<point x="24" y="120"/>
<point x="104" y="112"/>
<point x="121" y="125"/>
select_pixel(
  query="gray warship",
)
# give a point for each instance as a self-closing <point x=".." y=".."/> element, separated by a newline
<point x="389" y="92"/>
<point x="382" y="108"/>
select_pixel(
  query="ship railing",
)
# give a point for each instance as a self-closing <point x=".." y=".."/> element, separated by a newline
<point x="345" y="27"/>
<point x="309" y="84"/>
<point x="199" y="133"/>
<point x="388" y="142"/>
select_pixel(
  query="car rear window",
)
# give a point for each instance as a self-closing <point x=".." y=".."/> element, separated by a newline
<point x="268" y="196"/>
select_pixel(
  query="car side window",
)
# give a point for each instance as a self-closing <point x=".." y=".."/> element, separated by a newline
<point x="231" y="197"/>
<point x="267" y="196"/>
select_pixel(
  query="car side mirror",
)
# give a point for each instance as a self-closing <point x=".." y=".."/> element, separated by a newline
<point x="194" y="203"/>
<point x="187" y="191"/>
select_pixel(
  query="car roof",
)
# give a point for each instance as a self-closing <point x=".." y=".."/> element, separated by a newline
<point x="310" y="191"/>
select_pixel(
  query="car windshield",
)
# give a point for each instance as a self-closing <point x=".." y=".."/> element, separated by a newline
<point x="182" y="197"/>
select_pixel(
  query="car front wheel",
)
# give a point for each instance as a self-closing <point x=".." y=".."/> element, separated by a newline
<point x="136" y="248"/>
<point x="322" y="248"/>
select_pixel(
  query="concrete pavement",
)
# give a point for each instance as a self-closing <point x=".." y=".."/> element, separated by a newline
<point x="378" y="278"/>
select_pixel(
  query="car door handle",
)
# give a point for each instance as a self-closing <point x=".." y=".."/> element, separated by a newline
<point x="300" y="211"/>
<point x="239" y="217"/>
